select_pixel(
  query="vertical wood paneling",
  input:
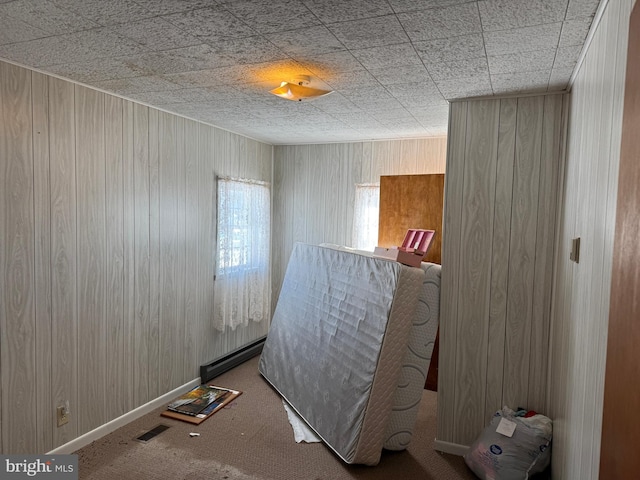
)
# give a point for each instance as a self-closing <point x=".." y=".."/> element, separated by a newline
<point x="90" y="187"/>
<point x="207" y="242"/>
<point x="42" y="202"/>
<point x="17" y="310"/>
<point x="476" y="231"/>
<point x="191" y="247"/>
<point x="169" y="334"/>
<point x="522" y="249"/>
<point x="153" y="338"/>
<point x="114" y="258"/>
<point x="552" y="135"/>
<point x="301" y="208"/>
<point x="129" y="264"/>
<point x="181" y="242"/>
<point x="451" y="253"/>
<point x="85" y="238"/>
<point x="500" y="255"/>
<point x="499" y="231"/>
<point x="142" y="282"/>
<point x="64" y="314"/>
<point x="581" y="300"/>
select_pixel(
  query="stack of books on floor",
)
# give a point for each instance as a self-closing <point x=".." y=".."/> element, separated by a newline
<point x="200" y="403"/>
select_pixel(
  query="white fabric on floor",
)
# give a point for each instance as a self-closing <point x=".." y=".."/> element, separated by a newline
<point x="301" y="431"/>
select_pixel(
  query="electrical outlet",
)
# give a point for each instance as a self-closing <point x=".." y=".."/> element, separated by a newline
<point x="62" y="415"/>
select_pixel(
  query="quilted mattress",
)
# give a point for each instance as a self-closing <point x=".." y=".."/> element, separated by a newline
<point x="415" y="365"/>
<point x="336" y="343"/>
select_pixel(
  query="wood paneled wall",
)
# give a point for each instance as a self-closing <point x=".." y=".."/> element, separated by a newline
<point x="503" y="161"/>
<point x="107" y="250"/>
<point x="314" y="188"/>
<point x="581" y="306"/>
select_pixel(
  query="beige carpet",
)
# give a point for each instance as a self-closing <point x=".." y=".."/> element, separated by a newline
<point x="252" y="439"/>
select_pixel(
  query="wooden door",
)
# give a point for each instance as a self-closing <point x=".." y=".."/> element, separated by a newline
<point x="411" y="201"/>
<point x="621" y="422"/>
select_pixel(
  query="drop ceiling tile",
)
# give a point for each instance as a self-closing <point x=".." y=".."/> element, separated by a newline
<point x="107" y="12"/>
<point x="392" y="113"/>
<point x="186" y="59"/>
<point x="165" y="7"/>
<point x="465" y="87"/>
<point x="156" y="34"/>
<point x="125" y="86"/>
<point x="520" y="82"/>
<point x="566" y="57"/>
<point x="442" y="22"/>
<point x="210" y="77"/>
<point x="559" y="79"/>
<point x="332" y="11"/>
<point x="387" y="57"/>
<point x="522" y="62"/>
<point x="581" y="8"/>
<point x="431" y="116"/>
<point x="210" y="23"/>
<point x="14" y="31"/>
<point x="306" y="42"/>
<point x="377" y="104"/>
<point x="509" y="14"/>
<point x="574" y="32"/>
<point x="363" y="95"/>
<point x="45" y="16"/>
<point x="412" y="95"/>
<point x="335" y="103"/>
<point x="158" y="99"/>
<point x="347" y="80"/>
<point x="469" y="67"/>
<point x="525" y="39"/>
<point x="96" y="70"/>
<point x="357" y="120"/>
<point x="77" y="47"/>
<point x="444" y="49"/>
<point x="370" y="32"/>
<point x="222" y="94"/>
<point x="328" y="65"/>
<point x="256" y="49"/>
<point x="265" y="17"/>
<point x="400" y="6"/>
<point x="404" y="91"/>
<point x="401" y="74"/>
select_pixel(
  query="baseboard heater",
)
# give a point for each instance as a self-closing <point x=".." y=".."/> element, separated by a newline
<point x="234" y="358"/>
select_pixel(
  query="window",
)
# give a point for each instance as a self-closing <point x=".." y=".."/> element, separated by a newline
<point x="242" y="285"/>
<point x="365" y="217"/>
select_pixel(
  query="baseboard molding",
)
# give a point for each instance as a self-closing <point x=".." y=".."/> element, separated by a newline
<point x="452" y="448"/>
<point x="102" y="430"/>
<point x="234" y="358"/>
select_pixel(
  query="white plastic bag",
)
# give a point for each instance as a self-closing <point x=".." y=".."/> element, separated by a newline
<point x="495" y="456"/>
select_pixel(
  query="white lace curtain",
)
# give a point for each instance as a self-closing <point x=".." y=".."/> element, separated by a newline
<point x="365" y="216"/>
<point x="242" y="287"/>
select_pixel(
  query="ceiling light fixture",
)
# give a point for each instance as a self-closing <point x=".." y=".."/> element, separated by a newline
<point x="298" y="90"/>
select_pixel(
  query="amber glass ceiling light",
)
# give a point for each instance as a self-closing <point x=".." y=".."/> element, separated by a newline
<point x="298" y="90"/>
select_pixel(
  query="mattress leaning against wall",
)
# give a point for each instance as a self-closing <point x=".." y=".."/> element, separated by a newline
<point x="337" y="339"/>
<point x="415" y="366"/>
